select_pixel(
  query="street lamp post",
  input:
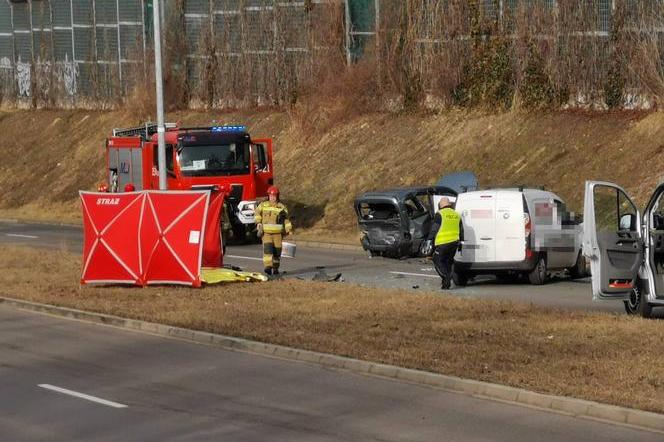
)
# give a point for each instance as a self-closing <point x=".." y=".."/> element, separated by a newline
<point x="158" y="79"/>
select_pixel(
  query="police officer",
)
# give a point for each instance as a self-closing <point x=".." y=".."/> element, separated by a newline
<point x="446" y="231"/>
<point x="272" y="223"/>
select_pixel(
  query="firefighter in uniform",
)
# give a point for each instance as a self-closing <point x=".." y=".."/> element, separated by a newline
<point x="446" y="232"/>
<point x="272" y="223"/>
<point x="225" y="219"/>
<point x="225" y="224"/>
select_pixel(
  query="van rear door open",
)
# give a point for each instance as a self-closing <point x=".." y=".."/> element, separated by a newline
<point x="478" y="212"/>
<point x="510" y="227"/>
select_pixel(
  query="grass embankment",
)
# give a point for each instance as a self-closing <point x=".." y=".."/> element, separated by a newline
<point x="608" y="358"/>
<point x="326" y="155"/>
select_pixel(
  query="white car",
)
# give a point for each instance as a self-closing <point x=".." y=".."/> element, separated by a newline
<point x="626" y="249"/>
<point x="517" y="231"/>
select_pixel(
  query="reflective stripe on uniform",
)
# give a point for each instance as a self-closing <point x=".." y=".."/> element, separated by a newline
<point x="273" y="228"/>
<point x="273" y="217"/>
<point x="449" y="228"/>
<point x="271" y="250"/>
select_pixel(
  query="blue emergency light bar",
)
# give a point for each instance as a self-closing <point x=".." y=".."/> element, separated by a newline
<point x="229" y="129"/>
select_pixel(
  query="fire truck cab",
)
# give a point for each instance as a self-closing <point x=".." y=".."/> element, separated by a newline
<point x="216" y="157"/>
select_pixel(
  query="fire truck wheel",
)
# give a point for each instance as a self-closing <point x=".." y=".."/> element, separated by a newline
<point x="239" y="232"/>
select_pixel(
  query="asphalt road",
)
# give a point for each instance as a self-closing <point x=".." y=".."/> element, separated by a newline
<point x="64" y="380"/>
<point x="355" y="267"/>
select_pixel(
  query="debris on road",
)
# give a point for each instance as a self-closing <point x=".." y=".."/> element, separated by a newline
<point x="322" y="276"/>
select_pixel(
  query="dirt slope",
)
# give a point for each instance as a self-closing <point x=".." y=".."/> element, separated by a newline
<point x="49" y="155"/>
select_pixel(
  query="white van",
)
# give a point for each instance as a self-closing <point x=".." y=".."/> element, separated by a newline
<point x="516" y="231"/>
<point x="626" y="250"/>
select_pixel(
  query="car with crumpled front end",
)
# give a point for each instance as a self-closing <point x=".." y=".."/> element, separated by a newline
<point x="396" y="222"/>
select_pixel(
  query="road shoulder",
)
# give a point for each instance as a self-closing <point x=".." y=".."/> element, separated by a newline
<point x="575" y="407"/>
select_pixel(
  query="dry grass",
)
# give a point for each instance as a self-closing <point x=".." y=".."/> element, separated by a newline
<point x="323" y="160"/>
<point x="558" y="150"/>
<point x="43" y="170"/>
<point x="608" y="358"/>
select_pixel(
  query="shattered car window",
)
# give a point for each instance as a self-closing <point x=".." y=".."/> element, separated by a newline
<point x="425" y="201"/>
<point x="414" y="208"/>
<point x="378" y="211"/>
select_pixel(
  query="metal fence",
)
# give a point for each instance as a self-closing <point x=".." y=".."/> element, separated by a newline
<point x="365" y="18"/>
<point x="91" y="44"/>
<point x="250" y="41"/>
<point x="98" y="47"/>
<point x="76" y="41"/>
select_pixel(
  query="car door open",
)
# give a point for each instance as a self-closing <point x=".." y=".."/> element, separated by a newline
<point x="612" y="240"/>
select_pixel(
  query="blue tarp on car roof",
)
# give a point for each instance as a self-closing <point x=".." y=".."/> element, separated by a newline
<point x="459" y="181"/>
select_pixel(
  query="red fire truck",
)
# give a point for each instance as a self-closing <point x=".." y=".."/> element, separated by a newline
<point x="222" y="157"/>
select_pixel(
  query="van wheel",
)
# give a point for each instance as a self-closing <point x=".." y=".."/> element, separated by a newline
<point x="579" y="269"/>
<point x="644" y="307"/>
<point x="538" y="275"/>
<point x="460" y="278"/>
<point x="633" y="303"/>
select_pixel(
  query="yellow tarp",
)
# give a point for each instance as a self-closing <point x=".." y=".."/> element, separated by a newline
<point x="217" y="275"/>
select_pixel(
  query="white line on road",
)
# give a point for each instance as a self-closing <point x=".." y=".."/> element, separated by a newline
<point x="415" y="274"/>
<point x="244" y="257"/>
<point x="82" y="396"/>
<point x="16" y="235"/>
<point x="253" y="258"/>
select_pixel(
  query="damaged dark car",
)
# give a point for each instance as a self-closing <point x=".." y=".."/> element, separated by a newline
<point x="395" y="223"/>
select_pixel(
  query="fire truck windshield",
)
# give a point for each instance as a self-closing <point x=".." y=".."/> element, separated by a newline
<point x="224" y="159"/>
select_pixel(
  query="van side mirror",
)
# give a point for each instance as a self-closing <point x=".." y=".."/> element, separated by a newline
<point x="628" y="222"/>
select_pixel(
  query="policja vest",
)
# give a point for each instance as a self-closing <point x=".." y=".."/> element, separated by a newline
<point x="449" y="227"/>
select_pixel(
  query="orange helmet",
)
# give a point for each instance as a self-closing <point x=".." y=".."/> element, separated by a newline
<point x="273" y="190"/>
<point x="129" y="187"/>
<point x="103" y="187"/>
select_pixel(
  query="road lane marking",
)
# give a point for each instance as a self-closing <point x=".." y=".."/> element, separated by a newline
<point x="253" y="258"/>
<point x="415" y="274"/>
<point x="82" y="396"/>
<point x="16" y="235"/>
<point x="244" y="257"/>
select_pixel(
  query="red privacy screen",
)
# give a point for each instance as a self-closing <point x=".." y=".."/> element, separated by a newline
<point x="149" y="237"/>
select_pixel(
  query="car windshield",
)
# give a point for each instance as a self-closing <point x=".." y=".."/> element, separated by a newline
<point x="224" y="159"/>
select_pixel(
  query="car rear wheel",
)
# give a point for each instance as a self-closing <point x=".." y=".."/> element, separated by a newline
<point x="538" y="275"/>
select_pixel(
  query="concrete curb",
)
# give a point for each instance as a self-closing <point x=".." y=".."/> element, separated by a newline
<point x="575" y="407"/>
<point x="43" y="223"/>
